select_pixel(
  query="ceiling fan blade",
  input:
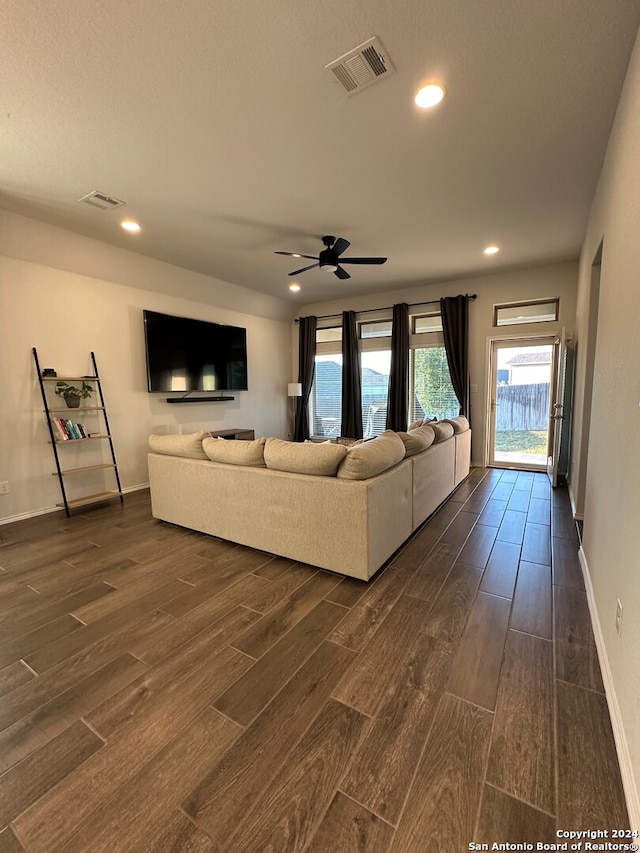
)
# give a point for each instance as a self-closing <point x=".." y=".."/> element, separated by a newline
<point x="340" y="246"/>
<point x="340" y="273"/>
<point x="297" y="255"/>
<point x="363" y="260"/>
<point x="304" y="269"/>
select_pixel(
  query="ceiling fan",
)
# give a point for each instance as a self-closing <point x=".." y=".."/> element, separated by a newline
<point x="329" y="258"/>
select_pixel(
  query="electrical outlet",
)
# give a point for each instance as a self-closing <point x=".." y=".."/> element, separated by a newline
<point x="619" y="618"/>
<point x="4" y="488"/>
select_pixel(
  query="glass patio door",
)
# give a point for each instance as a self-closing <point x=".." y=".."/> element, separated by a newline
<point x="521" y="379"/>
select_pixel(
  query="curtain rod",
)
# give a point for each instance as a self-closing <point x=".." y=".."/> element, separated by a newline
<point x="387" y="308"/>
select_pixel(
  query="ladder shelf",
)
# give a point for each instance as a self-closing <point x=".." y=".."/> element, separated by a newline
<point x="56" y="440"/>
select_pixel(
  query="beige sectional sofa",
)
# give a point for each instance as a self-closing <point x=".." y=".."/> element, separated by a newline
<point x="346" y="510"/>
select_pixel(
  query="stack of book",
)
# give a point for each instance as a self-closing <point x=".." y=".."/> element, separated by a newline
<point x="67" y="430"/>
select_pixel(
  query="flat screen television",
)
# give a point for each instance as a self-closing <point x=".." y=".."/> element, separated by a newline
<point x="194" y="355"/>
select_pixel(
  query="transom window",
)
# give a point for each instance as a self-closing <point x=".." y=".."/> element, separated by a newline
<point x="377" y="329"/>
<point x="333" y="333"/>
<point x="536" y="311"/>
<point x="421" y="323"/>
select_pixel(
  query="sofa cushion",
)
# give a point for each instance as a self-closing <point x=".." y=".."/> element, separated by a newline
<point x="459" y="424"/>
<point x="235" y="452"/>
<point x="189" y="445"/>
<point x="421" y="422"/>
<point x="442" y="430"/>
<point x="373" y="457"/>
<point x="417" y="440"/>
<point x="298" y="458"/>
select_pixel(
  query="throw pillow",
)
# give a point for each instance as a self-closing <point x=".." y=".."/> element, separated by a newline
<point x="442" y="430"/>
<point x="249" y="453"/>
<point x="319" y="459"/>
<point x="459" y="424"/>
<point x="422" y="422"/>
<point x="373" y="457"/>
<point x="189" y="445"/>
<point x="417" y="440"/>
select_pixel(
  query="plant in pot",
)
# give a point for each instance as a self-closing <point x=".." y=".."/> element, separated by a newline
<point x="71" y="394"/>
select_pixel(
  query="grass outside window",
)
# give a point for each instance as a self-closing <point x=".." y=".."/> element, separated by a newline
<point x="522" y="441"/>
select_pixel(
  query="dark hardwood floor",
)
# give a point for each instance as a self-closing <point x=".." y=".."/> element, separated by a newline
<point x="166" y="692"/>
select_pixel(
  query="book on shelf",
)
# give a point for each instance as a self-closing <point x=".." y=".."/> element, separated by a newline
<point x="75" y="432"/>
<point x="61" y="431"/>
<point x="67" y="430"/>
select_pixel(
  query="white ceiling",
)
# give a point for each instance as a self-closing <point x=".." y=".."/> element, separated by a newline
<point x="218" y="125"/>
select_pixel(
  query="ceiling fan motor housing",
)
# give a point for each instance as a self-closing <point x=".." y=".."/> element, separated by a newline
<point x="328" y="260"/>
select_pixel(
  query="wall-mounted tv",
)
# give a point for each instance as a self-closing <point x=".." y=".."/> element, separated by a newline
<point x="194" y="355"/>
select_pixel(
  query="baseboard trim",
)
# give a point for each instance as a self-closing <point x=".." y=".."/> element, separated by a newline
<point x="23" y="516"/>
<point x="626" y="770"/>
<point x="139" y="488"/>
<point x="577" y="516"/>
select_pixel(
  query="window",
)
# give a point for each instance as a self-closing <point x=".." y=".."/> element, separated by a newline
<point x="421" y="323"/>
<point x="324" y="336"/>
<point x="326" y="396"/>
<point x="431" y="394"/>
<point x="377" y="329"/>
<point x="536" y="311"/>
<point x="375" y="366"/>
<point x="325" y="404"/>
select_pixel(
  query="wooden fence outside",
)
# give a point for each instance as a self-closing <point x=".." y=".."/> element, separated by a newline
<point x="522" y="407"/>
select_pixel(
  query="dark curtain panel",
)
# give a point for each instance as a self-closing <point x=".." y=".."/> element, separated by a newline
<point x="455" y="326"/>
<point x="351" y="392"/>
<point x="306" y="369"/>
<point x="398" y="400"/>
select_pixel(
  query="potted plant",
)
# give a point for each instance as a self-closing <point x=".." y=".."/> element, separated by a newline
<point x="71" y="394"/>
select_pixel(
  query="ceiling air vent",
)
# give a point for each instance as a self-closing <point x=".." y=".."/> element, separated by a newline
<point x="101" y="200"/>
<point x="362" y="66"/>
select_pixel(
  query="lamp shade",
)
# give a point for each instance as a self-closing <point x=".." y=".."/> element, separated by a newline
<point x="294" y="389"/>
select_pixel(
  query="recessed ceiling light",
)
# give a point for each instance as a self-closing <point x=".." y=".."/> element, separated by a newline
<point x="296" y="256"/>
<point x="491" y="250"/>
<point x="429" y="96"/>
<point x="294" y="287"/>
<point x="130" y="225"/>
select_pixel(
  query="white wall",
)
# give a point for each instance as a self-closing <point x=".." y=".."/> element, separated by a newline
<point x="66" y="313"/>
<point x="552" y="281"/>
<point x="612" y="494"/>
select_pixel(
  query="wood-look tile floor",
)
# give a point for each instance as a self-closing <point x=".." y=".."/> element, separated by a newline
<point x="166" y="692"/>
